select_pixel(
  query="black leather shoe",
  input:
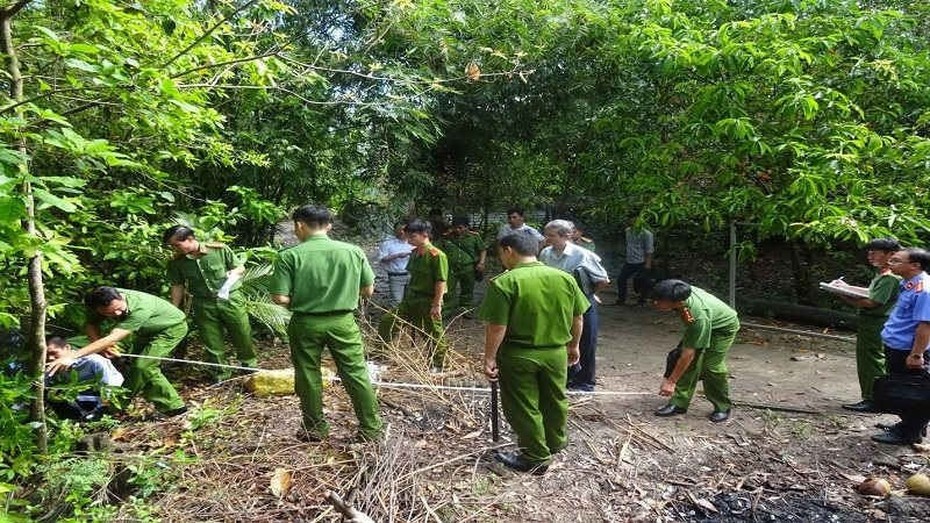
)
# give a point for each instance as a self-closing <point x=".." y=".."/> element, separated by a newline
<point x="862" y="406"/>
<point x="891" y="437"/>
<point x="719" y="416"/>
<point x="516" y="461"/>
<point x="670" y="410"/>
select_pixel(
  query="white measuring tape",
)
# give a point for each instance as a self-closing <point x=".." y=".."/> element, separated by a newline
<point x="386" y="384"/>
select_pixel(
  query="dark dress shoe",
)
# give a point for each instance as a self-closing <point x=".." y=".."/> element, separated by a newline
<point x="892" y="437"/>
<point x="670" y="410"/>
<point x="516" y="461"/>
<point x="719" y="416"/>
<point x="862" y="406"/>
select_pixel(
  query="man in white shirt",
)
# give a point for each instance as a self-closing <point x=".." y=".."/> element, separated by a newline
<point x="93" y="370"/>
<point x="516" y="224"/>
<point x="591" y="276"/>
<point x="393" y="255"/>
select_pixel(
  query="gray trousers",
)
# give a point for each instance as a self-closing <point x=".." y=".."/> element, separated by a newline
<point x="397" y="284"/>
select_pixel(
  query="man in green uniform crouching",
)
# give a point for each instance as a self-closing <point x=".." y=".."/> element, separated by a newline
<point x="710" y="328"/>
<point x="157" y="328"/>
<point x="320" y="281"/>
<point x="202" y="269"/>
<point x="534" y="322"/>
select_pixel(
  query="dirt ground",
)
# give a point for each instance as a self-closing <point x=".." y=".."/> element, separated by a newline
<point x="622" y="463"/>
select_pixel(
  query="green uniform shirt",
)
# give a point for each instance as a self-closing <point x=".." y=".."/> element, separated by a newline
<point x="704" y="314"/>
<point x="322" y="275"/>
<point x="146" y="315"/>
<point x="537" y="304"/>
<point x="204" y="275"/>
<point x="884" y="290"/>
<point x="462" y="250"/>
<point x="427" y="266"/>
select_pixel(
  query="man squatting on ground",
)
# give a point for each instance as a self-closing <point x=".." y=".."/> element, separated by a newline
<point x="393" y="255"/>
<point x="157" y="328"/>
<point x="906" y="337"/>
<point x="534" y="323"/>
<point x="873" y="312"/>
<point x="710" y="329"/>
<point x="321" y="280"/>
<point x="93" y="373"/>
<point x="586" y="268"/>
<point x="202" y="269"/>
<point x="422" y="303"/>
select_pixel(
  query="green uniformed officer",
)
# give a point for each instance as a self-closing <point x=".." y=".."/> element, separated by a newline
<point x="320" y="281"/>
<point x="202" y="269"/>
<point x="873" y="312"/>
<point x="710" y="329"/>
<point x="422" y="303"/>
<point x="466" y="253"/>
<point x="534" y="323"/>
<point x="157" y="328"/>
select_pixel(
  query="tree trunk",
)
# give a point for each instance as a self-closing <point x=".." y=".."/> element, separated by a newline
<point x="36" y="286"/>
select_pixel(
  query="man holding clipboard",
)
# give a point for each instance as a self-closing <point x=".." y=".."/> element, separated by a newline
<point x="874" y="303"/>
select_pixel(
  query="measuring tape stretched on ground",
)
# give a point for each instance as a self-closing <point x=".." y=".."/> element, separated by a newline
<point x="384" y="384"/>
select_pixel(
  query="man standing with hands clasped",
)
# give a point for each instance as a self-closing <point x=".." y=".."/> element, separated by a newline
<point x="534" y="322"/>
<point x="906" y="337"/>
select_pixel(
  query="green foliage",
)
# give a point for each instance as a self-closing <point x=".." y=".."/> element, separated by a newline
<point x="18" y="452"/>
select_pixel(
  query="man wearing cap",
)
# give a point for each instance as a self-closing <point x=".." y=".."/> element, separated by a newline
<point x="202" y="268"/>
<point x="534" y="323"/>
<point x="586" y="268"/>
<point x="321" y="280"/>
<point x="466" y="254"/>
<point x="710" y="329"/>
<point x="157" y="328"/>
<point x="906" y="337"/>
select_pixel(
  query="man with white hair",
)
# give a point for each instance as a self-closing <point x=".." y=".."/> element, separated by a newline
<point x="591" y="276"/>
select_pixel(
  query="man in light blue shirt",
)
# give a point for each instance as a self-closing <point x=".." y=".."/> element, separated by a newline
<point x="906" y="337"/>
<point x="94" y="371"/>
<point x="591" y="276"/>
<point x="640" y="246"/>
<point x="516" y="224"/>
<point x="393" y="255"/>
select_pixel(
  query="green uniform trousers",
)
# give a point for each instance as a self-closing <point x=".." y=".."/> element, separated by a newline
<point x="710" y="366"/>
<point x="532" y="386"/>
<point x="416" y="312"/>
<point x="145" y="377"/>
<point x="211" y="316"/>
<point x="461" y="286"/>
<point x="309" y="334"/>
<point x="870" y="353"/>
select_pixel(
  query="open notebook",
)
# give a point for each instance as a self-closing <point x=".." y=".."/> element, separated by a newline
<point x="841" y="289"/>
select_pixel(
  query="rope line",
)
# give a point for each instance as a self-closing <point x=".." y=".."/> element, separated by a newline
<point x="385" y="384"/>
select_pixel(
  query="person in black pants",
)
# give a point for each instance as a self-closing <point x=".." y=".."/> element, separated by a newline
<point x="906" y="337"/>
